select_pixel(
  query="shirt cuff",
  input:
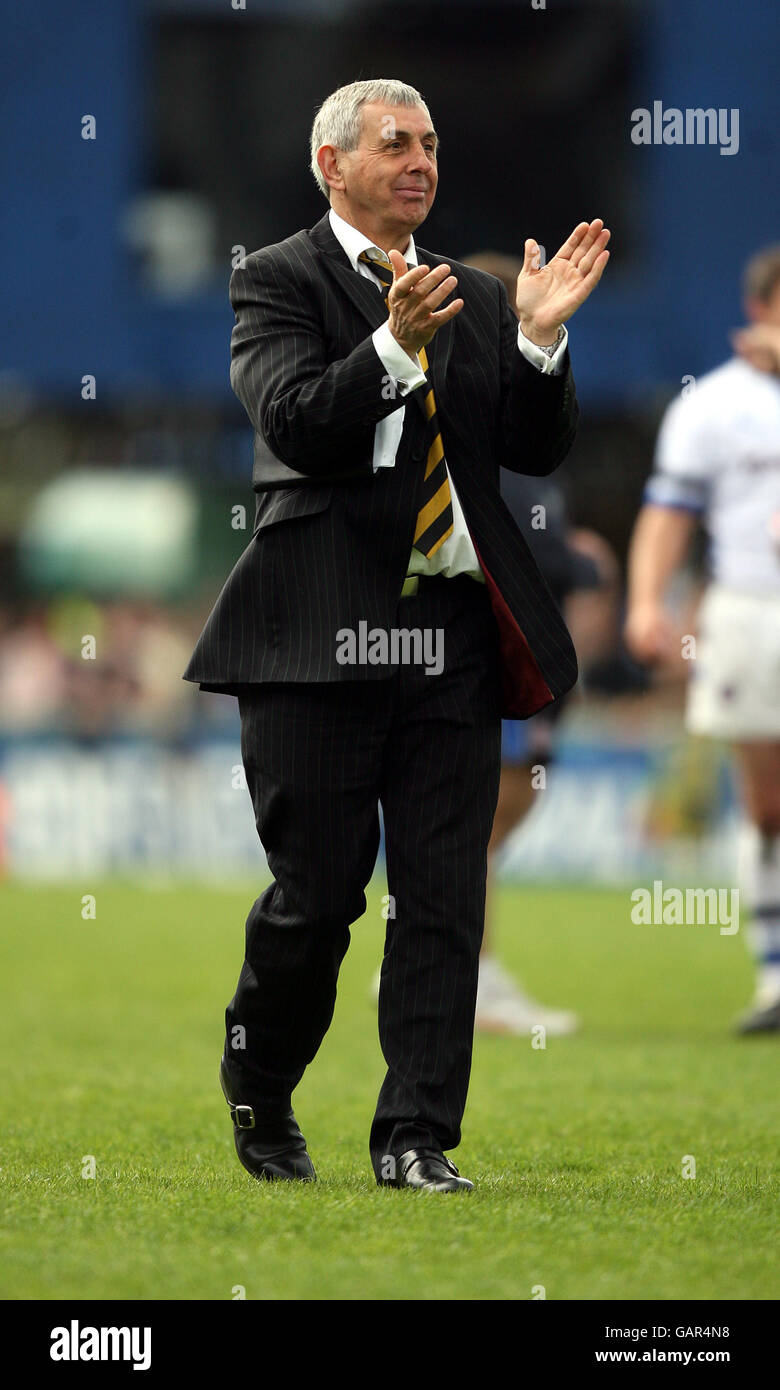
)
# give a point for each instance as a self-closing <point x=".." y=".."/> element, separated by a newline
<point x="550" y="364"/>
<point x="406" y="375"/>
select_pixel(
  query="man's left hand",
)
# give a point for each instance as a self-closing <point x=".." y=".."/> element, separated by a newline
<point x="548" y="295"/>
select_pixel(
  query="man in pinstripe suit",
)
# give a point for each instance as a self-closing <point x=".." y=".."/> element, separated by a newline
<point x="383" y="414"/>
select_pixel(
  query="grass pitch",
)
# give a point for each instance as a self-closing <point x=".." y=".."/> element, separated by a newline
<point x="111" y="1034"/>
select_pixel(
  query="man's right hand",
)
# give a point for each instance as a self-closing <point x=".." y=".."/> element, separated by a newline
<point x="414" y="299"/>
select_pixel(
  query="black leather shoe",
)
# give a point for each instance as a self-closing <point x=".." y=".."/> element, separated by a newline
<point x="271" y="1150"/>
<point x="429" y="1170"/>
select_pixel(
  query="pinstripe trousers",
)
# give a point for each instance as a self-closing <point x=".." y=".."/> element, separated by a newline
<point x="319" y="759"/>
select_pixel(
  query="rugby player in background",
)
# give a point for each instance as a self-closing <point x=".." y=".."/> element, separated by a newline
<point x="718" y="463"/>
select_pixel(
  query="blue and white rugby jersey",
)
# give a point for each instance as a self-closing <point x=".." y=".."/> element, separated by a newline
<point x="718" y="454"/>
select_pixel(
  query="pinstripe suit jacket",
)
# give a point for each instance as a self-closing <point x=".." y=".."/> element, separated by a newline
<point x="332" y="539"/>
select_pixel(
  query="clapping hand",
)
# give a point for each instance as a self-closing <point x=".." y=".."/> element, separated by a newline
<point x="548" y="295"/>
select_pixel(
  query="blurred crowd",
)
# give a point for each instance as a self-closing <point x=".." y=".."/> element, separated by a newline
<point x="92" y="670"/>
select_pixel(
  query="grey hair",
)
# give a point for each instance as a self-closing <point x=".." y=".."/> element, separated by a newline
<point x="338" y="121"/>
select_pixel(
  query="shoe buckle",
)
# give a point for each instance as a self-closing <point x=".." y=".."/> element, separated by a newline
<point x="243" y="1116"/>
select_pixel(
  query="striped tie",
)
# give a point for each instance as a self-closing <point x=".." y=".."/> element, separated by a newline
<point x="434" y="519"/>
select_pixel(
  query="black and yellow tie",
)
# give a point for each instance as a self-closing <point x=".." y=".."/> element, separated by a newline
<point x="434" y="519"/>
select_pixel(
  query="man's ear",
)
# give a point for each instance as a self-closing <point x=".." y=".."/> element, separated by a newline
<point x="328" y="160"/>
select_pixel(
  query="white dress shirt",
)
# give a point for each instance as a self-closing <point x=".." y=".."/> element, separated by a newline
<point x="457" y="555"/>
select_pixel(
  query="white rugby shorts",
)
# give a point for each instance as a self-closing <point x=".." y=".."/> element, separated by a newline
<point x="734" y="690"/>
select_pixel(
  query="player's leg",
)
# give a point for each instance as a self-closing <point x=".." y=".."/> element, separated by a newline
<point x="733" y="696"/>
<point x="516" y="795"/>
<point x="759" y="771"/>
<point x="503" y="1006"/>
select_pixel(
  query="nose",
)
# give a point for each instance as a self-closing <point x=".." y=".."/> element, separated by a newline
<point x="419" y="159"/>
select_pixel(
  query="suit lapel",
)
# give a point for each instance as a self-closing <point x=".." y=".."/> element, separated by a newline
<point x="364" y="296"/>
<point x="370" y="305"/>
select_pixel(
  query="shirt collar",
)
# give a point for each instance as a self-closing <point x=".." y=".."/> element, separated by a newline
<point x="353" y="241"/>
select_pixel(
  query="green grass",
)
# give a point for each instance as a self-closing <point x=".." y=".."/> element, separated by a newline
<point x="111" y="1034"/>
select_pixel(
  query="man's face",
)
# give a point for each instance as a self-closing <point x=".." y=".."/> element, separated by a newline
<point x="391" y="178"/>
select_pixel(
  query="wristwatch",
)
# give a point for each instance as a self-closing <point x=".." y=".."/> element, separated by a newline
<point x="550" y="348"/>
